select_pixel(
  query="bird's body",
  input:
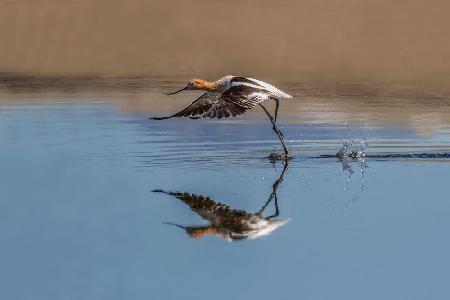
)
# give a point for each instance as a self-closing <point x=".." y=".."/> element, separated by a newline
<point x="229" y="81"/>
<point x="224" y="221"/>
<point x="231" y="96"/>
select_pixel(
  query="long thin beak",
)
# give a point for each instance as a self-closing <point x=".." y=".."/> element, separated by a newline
<point x="185" y="88"/>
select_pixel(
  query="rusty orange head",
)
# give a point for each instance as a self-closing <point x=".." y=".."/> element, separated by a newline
<point x="197" y="84"/>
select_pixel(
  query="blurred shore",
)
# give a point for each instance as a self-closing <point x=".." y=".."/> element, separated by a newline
<point x="344" y="61"/>
<point x="423" y="108"/>
<point x="330" y="40"/>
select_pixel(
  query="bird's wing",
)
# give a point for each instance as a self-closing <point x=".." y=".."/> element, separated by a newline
<point x="208" y="209"/>
<point x="236" y="100"/>
<point x="199" y="106"/>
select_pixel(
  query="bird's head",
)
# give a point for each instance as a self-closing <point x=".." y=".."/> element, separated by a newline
<point x="196" y="84"/>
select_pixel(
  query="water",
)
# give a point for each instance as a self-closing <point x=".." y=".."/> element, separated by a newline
<point x="79" y="220"/>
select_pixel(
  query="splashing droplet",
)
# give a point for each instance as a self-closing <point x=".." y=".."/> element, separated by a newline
<point x="349" y="150"/>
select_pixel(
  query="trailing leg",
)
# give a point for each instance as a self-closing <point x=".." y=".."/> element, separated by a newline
<point x="277" y="131"/>
<point x="277" y="104"/>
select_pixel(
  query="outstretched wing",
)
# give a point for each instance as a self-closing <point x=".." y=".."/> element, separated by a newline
<point x="236" y="100"/>
<point x="198" y="107"/>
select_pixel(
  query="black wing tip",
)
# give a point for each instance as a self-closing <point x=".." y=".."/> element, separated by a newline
<point x="159" y="191"/>
<point x="159" y="118"/>
<point x="165" y="118"/>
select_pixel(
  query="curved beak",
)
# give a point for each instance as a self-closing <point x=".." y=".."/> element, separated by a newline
<point x="185" y="88"/>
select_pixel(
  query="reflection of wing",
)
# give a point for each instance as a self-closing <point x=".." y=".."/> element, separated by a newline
<point x="236" y="100"/>
<point x="199" y="106"/>
<point x="215" y="212"/>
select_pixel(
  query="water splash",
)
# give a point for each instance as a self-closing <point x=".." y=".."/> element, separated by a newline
<point x="349" y="149"/>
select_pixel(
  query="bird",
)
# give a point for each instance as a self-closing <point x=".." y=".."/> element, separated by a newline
<point x="231" y="96"/>
<point x="224" y="221"/>
<point x="229" y="223"/>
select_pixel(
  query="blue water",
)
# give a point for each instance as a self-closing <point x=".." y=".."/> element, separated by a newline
<point x="78" y="219"/>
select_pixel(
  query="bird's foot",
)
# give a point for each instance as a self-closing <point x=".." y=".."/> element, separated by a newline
<point x="274" y="156"/>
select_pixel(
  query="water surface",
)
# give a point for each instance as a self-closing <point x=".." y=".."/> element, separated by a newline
<point x="78" y="219"/>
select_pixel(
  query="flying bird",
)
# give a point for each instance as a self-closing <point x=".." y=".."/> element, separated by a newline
<point x="231" y="96"/>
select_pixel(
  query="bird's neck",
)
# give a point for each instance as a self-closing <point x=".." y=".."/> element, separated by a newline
<point x="198" y="232"/>
<point x="210" y="86"/>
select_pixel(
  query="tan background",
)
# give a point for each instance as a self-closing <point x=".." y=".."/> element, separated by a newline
<point x="287" y="40"/>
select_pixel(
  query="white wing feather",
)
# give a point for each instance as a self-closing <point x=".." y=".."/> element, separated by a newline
<point x="275" y="92"/>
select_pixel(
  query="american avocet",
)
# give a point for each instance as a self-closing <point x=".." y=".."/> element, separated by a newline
<point x="231" y="96"/>
<point x="229" y="223"/>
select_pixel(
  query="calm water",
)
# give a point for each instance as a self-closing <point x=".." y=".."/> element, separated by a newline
<point x="79" y="220"/>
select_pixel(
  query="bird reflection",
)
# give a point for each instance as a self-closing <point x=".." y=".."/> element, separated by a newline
<point x="229" y="223"/>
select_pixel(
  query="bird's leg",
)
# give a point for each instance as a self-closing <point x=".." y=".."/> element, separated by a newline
<point x="273" y="195"/>
<point x="259" y="212"/>
<point x="277" y="104"/>
<point x="277" y="131"/>
<point x="277" y="211"/>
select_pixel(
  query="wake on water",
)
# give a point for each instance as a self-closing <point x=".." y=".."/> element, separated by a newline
<point x="358" y="150"/>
